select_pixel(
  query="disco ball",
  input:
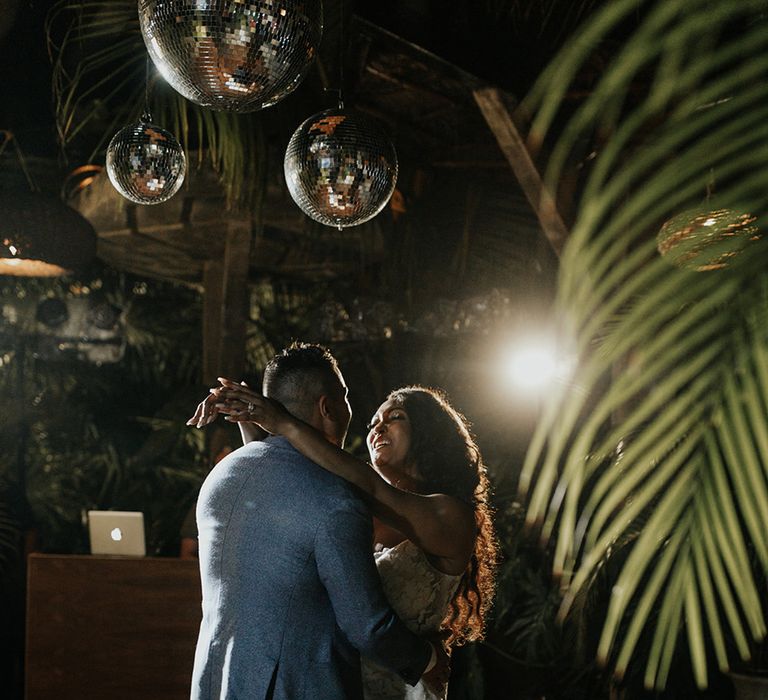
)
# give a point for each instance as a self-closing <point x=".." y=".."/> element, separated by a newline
<point x="230" y="54"/>
<point x="145" y="163"/>
<point x="707" y="240"/>
<point x="340" y="168"/>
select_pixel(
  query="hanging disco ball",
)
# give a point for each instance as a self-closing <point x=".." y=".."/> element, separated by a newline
<point x="145" y="163"/>
<point x="340" y="168"/>
<point x="708" y="240"/>
<point x="229" y="54"/>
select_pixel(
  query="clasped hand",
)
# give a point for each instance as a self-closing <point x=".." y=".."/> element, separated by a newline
<point x="239" y="403"/>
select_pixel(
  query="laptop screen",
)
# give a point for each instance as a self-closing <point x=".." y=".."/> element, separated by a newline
<point x="116" y="532"/>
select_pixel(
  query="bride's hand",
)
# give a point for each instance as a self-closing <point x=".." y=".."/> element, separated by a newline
<point x="205" y="412"/>
<point x="241" y="403"/>
<point x="209" y="408"/>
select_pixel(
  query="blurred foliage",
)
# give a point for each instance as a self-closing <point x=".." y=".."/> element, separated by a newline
<point x="86" y="436"/>
<point x="673" y="356"/>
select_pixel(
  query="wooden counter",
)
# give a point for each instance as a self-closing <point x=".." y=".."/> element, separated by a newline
<point x="110" y="627"/>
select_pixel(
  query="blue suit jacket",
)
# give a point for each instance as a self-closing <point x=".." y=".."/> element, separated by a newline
<point x="291" y="596"/>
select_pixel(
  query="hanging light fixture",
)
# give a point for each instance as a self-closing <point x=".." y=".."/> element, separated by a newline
<point x="340" y="168"/>
<point x="706" y="239"/>
<point x="40" y="236"/>
<point x="232" y="55"/>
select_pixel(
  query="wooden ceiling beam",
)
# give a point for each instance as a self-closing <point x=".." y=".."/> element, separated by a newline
<point x="513" y="147"/>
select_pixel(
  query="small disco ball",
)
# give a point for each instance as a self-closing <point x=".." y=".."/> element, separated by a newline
<point x="232" y="55"/>
<point x="340" y="168"/>
<point x="145" y="163"/>
<point x="703" y="241"/>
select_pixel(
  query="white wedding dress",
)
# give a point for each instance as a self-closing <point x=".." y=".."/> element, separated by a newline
<point x="420" y="595"/>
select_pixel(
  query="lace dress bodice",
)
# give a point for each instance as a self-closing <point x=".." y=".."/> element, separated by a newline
<point x="420" y="595"/>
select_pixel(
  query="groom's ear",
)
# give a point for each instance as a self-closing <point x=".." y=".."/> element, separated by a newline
<point x="329" y="420"/>
<point x="326" y="408"/>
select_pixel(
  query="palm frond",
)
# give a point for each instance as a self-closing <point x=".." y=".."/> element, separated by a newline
<point x="672" y="361"/>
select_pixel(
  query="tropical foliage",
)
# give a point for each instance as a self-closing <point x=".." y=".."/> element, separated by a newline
<point x="662" y="437"/>
<point x="87" y="433"/>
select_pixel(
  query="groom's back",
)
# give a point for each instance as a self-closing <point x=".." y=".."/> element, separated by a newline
<point x="267" y="619"/>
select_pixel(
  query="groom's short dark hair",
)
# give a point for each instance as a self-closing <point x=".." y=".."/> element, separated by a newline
<point x="299" y="375"/>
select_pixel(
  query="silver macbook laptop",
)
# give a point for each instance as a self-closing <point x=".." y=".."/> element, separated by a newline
<point x="116" y="532"/>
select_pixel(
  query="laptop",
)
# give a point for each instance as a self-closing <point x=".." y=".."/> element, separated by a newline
<point x="116" y="532"/>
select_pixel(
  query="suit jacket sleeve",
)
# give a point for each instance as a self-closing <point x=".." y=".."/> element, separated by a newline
<point x="348" y="572"/>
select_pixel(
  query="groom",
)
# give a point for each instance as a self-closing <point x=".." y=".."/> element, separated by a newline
<point x="291" y="596"/>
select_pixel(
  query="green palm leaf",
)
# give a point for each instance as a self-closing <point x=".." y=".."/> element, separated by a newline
<point x="666" y="423"/>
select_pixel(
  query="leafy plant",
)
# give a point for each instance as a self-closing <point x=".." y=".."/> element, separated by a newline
<point x="673" y="361"/>
<point x="524" y="628"/>
<point x="99" y="435"/>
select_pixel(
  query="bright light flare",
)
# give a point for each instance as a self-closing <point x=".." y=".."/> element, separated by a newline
<point x="535" y="364"/>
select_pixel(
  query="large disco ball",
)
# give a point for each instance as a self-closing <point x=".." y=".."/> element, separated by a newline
<point x="145" y="163"/>
<point x="232" y="55"/>
<point x="340" y="168"/>
<point x="706" y="240"/>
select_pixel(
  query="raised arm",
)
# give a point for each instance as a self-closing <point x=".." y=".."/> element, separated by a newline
<point x="441" y="525"/>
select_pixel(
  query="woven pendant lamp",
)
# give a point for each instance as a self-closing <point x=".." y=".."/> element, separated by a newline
<point x="40" y="236"/>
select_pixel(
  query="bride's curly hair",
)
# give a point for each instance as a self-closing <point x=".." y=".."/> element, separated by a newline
<point x="449" y="461"/>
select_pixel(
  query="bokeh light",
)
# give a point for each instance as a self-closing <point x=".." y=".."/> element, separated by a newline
<point x="533" y="364"/>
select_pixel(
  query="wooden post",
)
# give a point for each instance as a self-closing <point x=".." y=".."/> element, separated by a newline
<point x="513" y="147"/>
<point x="226" y="306"/>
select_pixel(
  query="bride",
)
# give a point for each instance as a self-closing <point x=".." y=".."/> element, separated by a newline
<point x="434" y="544"/>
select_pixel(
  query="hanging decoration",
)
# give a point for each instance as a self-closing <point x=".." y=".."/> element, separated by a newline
<point x="145" y="163"/>
<point x="232" y="55"/>
<point x="706" y="240"/>
<point x="40" y="236"/>
<point x="340" y="168"/>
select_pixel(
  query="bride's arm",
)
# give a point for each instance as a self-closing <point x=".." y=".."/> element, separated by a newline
<point x="249" y="432"/>
<point x="441" y="525"/>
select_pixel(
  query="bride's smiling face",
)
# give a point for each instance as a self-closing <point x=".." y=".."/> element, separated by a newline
<point x="389" y="436"/>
